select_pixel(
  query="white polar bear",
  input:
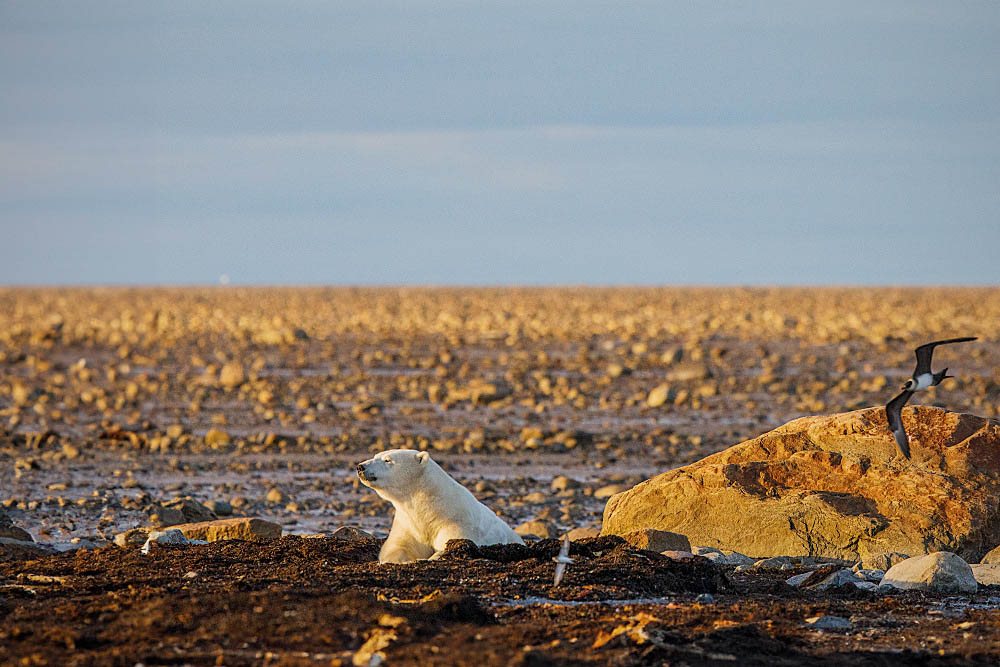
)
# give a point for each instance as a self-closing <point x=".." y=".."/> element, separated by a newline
<point x="431" y="507"/>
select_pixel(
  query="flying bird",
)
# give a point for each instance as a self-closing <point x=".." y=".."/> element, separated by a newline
<point x="562" y="560"/>
<point x="923" y="377"/>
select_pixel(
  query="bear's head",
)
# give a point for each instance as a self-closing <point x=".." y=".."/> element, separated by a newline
<point x="393" y="471"/>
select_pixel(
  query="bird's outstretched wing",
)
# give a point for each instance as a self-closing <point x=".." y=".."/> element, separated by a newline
<point x="925" y="351"/>
<point x="893" y="415"/>
<point x="562" y="560"/>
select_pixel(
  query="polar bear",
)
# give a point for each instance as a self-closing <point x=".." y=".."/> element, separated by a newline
<point x="431" y="507"/>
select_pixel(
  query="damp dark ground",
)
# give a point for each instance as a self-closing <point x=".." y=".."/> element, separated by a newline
<point x="321" y="601"/>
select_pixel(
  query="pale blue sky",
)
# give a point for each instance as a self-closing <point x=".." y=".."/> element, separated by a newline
<point x="449" y="142"/>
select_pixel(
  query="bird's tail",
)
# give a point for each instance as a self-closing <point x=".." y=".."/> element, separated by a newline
<point x="938" y="377"/>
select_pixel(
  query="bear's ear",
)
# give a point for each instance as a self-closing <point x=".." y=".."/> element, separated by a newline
<point x="422" y="457"/>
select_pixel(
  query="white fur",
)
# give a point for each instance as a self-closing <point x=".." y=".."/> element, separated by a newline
<point x="431" y="507"/>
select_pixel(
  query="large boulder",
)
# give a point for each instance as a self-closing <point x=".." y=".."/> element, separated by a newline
<point x="834" y="486"/>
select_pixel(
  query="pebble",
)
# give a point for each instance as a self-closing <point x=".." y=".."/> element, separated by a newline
<point x="538" y="527"/>
<point x="608" y="491"/>
<point x="220" y="507"/>
<point x="658" y="396"/>
<point x="275" y="496"/>
<point x="563" y="483"/>
<point x="584" y="532"/>
<point x="705" y="598"/>
<point x="171" y="536"/>
<point x="870" y="575"/>
<point x="351" y="533"/>
<point x="829" y="623"/>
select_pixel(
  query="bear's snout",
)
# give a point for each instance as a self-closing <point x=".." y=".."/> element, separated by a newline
<point x="364" y="475"/>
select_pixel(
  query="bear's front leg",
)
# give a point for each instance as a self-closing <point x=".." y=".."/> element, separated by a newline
<point x="394" y="555"/>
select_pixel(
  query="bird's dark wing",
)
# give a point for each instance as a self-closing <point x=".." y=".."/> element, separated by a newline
<point x="893" y="415"/>
<point x="925" y="351"/>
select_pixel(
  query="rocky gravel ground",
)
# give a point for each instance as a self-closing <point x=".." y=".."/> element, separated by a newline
<point x="116" y="404"/>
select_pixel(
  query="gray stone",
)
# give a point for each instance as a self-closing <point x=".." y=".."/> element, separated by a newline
<point x="836" y="580"/>
<point x="705" y="551"/>
<point x="871" y="575"/>
<point x="182" y="510"/>
<point x="882" y="560"/>
<point x="351" y="534"/>
<point x="220" y="507"/>
<point x="941" y="572"/>
<point x="773" y="563"/>
<point x="798" y="579"/>
<point x="838" y="623"/>
<point x="9" y="530"/>
<point x="135" y="537"/>
<point x="736" y="558"/>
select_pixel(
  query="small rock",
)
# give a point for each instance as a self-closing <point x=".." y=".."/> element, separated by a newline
<point x="216" y="438"/>
<point x="583" y="532"/>
<point x="11" y="549"/>
<point x="736" y="558"/>
<point x="705" y="598"/>
<point x="881" y="561"/>
<point x="275" y="496"/>
<point x="219" y="507"/>
<point x="773" y="563"/>
<point x="941" y="571"/>
<point x="658" y="396"/>
<point x="829" y="623"/>
<point x="608" y="491"/>
<point x="986" y="574"/>
<point x="231" y="375"/>
<point x="836" y="580"/>
<point x="9" y="530"/>
<point x="351" y="533"/>
<point x="677" y="555"/>
<point x="871" y="575"/>
<point x="538" y="527"/>
<point x="562" y="483"/>
<point x="534" y="498"/>
<point x="171" y="536"/>
<point x="869" y="586"/>
<point x="798" y="579"/>
<point x="706" y="551"/>
<point x="182" y="510"/>
<point x="135" y="537"/>
<point x="15" y="533"/>
<point x="658" y="540"/>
